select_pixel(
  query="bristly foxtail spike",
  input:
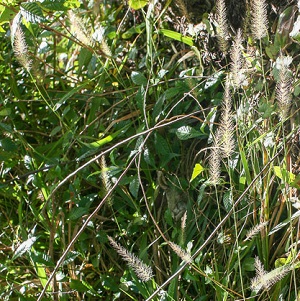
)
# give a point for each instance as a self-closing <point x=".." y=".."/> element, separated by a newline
<point x="215" y="165"/>
<point x="183" y="228"/>
<point x="284" y="85"/>
<point x="143" y="271"/>
<point x="226" y="129"/>
<point x="78" y="29"/>
<point x="255" y="230"/>
<point x="222" y="29"/>
<point x="185" y="256"/>
<point x="259" y="19"/>
<point x="21" y="49"/>
<point x="236" y="70"/>
<point x="265" y="280"/>
<point x="104" y="177"/>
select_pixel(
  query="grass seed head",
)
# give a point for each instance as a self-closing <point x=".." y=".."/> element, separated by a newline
<point x="143" y="271"/>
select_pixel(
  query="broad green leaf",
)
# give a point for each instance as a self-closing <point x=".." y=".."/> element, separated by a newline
<point x="42" y="258"/>
<point x="83" y="287"/>
<point x="6" y="127"/>
<point x="284" y="27"/>
<point x="162" y="149"/>
<point x="281" y="262"/>
<point x="266" y="109"/>
<point x="59" y="5"/>
<point x="55" y="130"/>
<point x="54" y="5"/>
<point x="72" y="255"/>
<point x="8" y="145"/>
<point x="161" y="145"/>
<point x="198" y="168"/>
<point x="171" y="92"/>
<point x="138" y="78"/>
<point x="284" y="174"/>
<point x="186" y="132"/>
<point x="158" y="107"/>
<point x="133" y="30"/>
<point x="287" y="176"/>
<point x="140" y="97"/>
<point x="72" y="4"/>
<point x="148" y="157"/>
<point x="84" y="58"/>
<point x="168" y="217"/>
<point x="227" y="200"/>
<point x="78" y="285"/>
<point x="6" y="15"/>
<point x="6" y="156"/>
<point x="137" y="4"/>
<point x="41" y="272"/>
<point x="177" y="36"/>
<point x="248" y="264"/>
<point x="77" y="212"/>
<point x="297" y="91"/>
<point x="32" y="12"/>
<point x="24" y="247"/>
<point x="134" y="186"/>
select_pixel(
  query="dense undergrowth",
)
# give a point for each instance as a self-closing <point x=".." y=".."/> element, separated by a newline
<point x="149" y="150"/>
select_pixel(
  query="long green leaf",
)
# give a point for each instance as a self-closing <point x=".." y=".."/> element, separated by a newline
<point x="177" y="36"/>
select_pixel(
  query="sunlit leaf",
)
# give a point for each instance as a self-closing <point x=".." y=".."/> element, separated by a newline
<point x="24" y="247"/>
<point x="59" y="5"/>
<point x="186" y="132"/>
<point x="32" y="12"/>
<point x="285" y="222"/>
<point x="6" y="15"/>
<point x="134" y="186"/>
<point x="83" y="286"/>
<point x="285" y="26"/>
<point x="177" y="36"/>
<point x="137" y="4"/>
<point x="42" y="258"/>
<point x="295" y="33"/>
<point x="72" y="255"/>
<point x="72" y="4"/>
<point x="198" y="168"/>
<point x="138" y="78"/>
<point x="284" y="174"/>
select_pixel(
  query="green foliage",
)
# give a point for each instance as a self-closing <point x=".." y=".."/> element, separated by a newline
<point x="137" y="4"/>
<point x="177" y="36"/>
<point x="130" y="141"/>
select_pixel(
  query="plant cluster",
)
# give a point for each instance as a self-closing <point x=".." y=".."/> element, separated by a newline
<point x="147" y="152"/>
